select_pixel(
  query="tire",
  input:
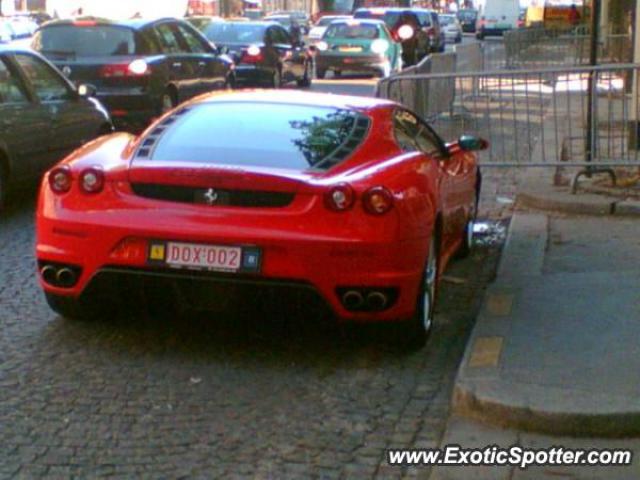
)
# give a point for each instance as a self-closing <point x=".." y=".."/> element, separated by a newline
<point x="458" y="39"/>
<point x="305" y="81"/>
<point x="416" y="331"/>
<point x="320" y="73"/>
<point x="168" y="101"/>
<point x="69" y="307"/>
<point x="480" y="36"/>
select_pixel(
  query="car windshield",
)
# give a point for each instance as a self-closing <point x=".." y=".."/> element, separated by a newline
<point x="345" y="30"/>
<point x="281" y="136"/>
<point x="446" y="19"/>
<point x="223" y="32"/>
<point x="85" y="41"/>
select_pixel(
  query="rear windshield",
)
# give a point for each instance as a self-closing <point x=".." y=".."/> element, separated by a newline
<point x="344" y="30"/>
<point x="324" y="21"/>
<point x="446" y="19"/>
<point x="261" y="134"/>
<point x="222" y="32"/>
<point x="85" y="41"/>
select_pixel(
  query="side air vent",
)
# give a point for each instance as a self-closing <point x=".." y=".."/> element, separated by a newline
<point x="146" y="147"/>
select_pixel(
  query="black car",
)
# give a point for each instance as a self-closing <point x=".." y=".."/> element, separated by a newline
<point x="140" y="68"/>
<point x="467" y="19"/>
<point x="42" y="117"/>
<point x="405" y="28"/>
<point x="264" y="53"/>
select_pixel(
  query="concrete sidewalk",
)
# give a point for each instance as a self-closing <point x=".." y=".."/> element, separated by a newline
<point x="555" y="350"/>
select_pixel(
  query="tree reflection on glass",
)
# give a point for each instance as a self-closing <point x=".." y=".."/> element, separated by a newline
<point x="320" y="136"/>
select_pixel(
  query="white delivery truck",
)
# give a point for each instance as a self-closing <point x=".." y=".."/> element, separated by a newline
<point x="496" y="17"/>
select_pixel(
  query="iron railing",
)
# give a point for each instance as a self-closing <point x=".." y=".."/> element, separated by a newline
<point x="533" y="117"/>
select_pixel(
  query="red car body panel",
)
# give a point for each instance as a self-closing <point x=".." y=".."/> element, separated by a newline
<point x="303" y="241"/>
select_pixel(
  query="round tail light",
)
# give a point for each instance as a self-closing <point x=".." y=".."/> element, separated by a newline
<point x="60" y="179"/>
<point x="377" y="201"/>
<point x="92" y="180"/>
<point x="340" y="197"/>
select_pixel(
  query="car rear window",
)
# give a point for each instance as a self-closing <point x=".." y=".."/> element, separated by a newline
<point x="261" y="134"/>
<point x="346" y="30"/>
<point x="85" y="41"/>
<point x="222" y="32"/>
<point x="446" y="19"/>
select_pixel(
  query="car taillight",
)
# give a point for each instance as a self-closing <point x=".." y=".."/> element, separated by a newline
<point x="253" y="54"/>
<point x="60" y="179"/>
<point x="137" y="68"/>
<point x="377" y="200"/>
<point x="340" y="197"/>
<point x="92" y="180"/>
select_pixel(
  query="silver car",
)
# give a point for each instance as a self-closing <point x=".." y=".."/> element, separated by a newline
<point x="451" y="27"/>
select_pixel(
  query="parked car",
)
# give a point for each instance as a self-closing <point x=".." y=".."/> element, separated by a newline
<point x="264" y="53"/>
<point x="405" y="27"/>
<point x="358" y="45"/>
<point x="468" y="18"/>
<point x="140" y="68"/>
<point x="321" y="25"/>
<point x="42" y="117"/>
<point x="354" y="198"/>
<point x="451" y="27"/>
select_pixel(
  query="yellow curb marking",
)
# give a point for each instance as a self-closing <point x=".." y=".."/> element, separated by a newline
<point x="486" y="352"/>
<point x="500" y="304"/>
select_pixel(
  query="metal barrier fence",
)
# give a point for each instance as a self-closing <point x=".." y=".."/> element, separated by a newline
<point x="533" y="117"/>
<point x="539" y="47"/>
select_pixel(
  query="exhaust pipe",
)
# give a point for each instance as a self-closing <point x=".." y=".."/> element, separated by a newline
<point x="49" y="274"/>
<point x="376" y="301"/>
<point x="352" y="300"/>
<point x="66" y="277"/>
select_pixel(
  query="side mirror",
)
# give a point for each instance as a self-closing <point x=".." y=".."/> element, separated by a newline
<point x="87" y="90"/>
<point x="470" y="143"/>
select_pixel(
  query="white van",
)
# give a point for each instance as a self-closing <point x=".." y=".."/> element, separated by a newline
<point x="497" y="16"/>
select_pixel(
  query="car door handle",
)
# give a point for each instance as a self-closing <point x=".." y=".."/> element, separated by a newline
<point x="202" y="64"/>
<point x="177" y="65"/>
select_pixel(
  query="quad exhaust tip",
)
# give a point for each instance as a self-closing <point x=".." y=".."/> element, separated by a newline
<point x="352" y="300"/>
<point x="376" y="301"/>
<point x="59" y="275"/>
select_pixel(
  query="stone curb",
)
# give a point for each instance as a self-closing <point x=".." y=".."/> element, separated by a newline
<point x="579" y="204"/>
<point x="481" y="394"/>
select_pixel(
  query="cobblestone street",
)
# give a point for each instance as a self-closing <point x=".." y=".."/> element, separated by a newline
<point x="262" y="393"/>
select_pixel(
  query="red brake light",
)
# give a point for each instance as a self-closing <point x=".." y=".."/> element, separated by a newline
<point x="253" y="54"/>
<point x="60" y="179"/>
<point x="340" y="197"/>
<point x="92" y="180"/>
<point x="377" y="201"/>
<point x="137" y="68"/>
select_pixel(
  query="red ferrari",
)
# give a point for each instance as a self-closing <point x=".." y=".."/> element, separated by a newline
<point x="355" y="198"/>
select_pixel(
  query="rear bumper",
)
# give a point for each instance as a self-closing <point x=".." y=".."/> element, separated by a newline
<point x="129" y="109"/>
<point x="363" y="63"/>
<point x="352" y="256"/>
<point x="252" y="75"/>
